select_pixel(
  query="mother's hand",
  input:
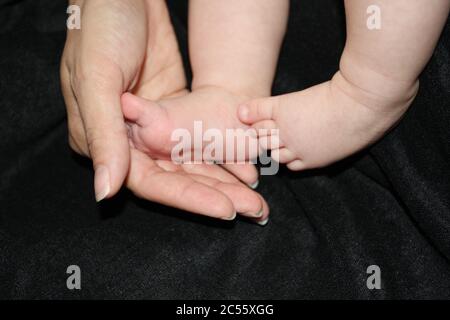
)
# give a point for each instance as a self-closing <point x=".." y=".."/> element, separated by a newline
<point x="199" y="188"/>
<point x="130" y="45"/>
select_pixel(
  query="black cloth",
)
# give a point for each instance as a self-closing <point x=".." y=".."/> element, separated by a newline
<point x="387" y="206"/>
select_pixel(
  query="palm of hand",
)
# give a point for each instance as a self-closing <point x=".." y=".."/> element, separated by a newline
<point x="203" y="189"/>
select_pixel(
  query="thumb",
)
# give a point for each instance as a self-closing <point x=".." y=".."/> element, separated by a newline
<point x="106" y="133"/>
<point x="258" y="110"/>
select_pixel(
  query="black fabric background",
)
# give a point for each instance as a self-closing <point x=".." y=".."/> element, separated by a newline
<point x="388" y="206"/>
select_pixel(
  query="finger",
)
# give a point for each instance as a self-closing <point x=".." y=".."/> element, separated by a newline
<point x="258" y="110"/>
<point x="167" y="165"/>
<point x="264" y="219"/>
<point x="246" y="202"/>
<point x="210" y="170"/>
<point x="247" y="173"/>
<point x="229" y="173"/>
<point x="247" y="205"/>
<point x="77" y="136"/>
<point x="98" y="96"/>
<point x="176" y="189"/>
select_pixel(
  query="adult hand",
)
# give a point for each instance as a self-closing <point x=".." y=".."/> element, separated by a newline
<point x="199" y="188"/>
<point x="100" y="62"/>
<point x="130" y="45"/>
<point x="107" y="57"/>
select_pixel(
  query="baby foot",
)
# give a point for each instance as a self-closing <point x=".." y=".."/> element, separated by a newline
<point x="325" y="123"/>
<point x="151" y="124"/>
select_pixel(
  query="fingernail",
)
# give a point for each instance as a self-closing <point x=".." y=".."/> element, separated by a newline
<point x="255" y="185"/>
<point x="101" y="183"/>
<point x="243" y="112"/>
<point x="231" y="218"/>
<point x="263" y="223"/>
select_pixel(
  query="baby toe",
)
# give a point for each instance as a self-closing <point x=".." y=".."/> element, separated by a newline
<point x="257" y="110"/>
<point x="265" y="128"/>
<point x="296" y="165"/>
<point x="270" y="142"/>
<point x="133" y="108"/>
<point x="283" y="155"/>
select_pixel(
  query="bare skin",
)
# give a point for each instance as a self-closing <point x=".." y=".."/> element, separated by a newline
<point x="376" y="83"/>
<point x="226" y="54"/>
<point x="130" y="45"/>
<point x="152" y="123"/>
